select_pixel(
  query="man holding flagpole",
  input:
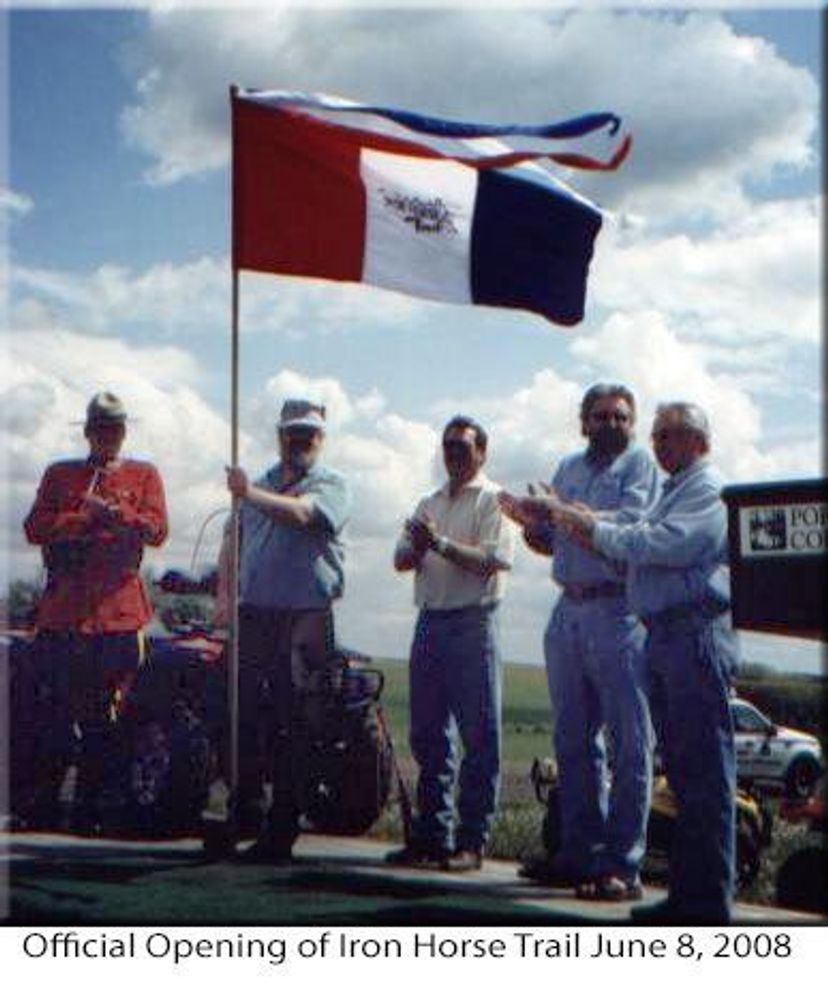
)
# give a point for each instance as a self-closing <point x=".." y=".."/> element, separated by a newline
<point x="290" y="573"/>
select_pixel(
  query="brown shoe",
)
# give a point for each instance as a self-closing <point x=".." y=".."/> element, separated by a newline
<point x="463" y="860"/>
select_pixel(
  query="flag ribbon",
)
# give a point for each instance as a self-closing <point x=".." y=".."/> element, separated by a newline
<point x="476" y="145"/>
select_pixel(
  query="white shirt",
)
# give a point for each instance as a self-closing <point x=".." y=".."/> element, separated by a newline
<point x="473" y="517"/>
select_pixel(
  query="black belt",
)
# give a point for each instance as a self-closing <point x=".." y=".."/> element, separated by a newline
<point x="580" y="592"/>
<point x="703" y="611"/>
<point x="453" y="612"/>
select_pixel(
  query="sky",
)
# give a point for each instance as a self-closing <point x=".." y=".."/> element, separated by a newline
<point x="115" y="209"/>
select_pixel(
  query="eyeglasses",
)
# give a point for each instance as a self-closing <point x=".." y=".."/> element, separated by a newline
<point x="660" y="435"/>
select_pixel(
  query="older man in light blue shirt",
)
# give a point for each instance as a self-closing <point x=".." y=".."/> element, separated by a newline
<point x="593" y="647"/>
<point x="678" y="583"/>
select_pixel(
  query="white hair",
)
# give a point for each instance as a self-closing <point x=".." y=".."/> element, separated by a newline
<point x="692" y="417"/>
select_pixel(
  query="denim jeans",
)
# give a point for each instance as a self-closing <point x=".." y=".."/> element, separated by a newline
<point x="455" y="679"/>
<point x="597" y="683"/>
<point x="691" y="660"/>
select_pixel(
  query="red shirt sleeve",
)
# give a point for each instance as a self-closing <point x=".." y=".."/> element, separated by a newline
<point x="148" y="515"/>
<point x="58" y="512"/>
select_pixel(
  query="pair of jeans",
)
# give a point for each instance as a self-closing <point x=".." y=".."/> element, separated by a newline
<point x="598" y="687"/>
<point x="455" y="680"/>
<point x="691" y="660"/>
<point x="287" y="668"/>
<point x="83" y="685"/>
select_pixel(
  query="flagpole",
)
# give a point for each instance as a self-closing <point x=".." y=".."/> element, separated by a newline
<point x="233" y="641"/>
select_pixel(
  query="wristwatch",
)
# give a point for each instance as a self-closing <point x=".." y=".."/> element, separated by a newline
<point x="441" y="544"/>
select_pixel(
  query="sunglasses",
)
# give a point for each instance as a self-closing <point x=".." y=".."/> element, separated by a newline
<point x="303" y="437"/>
<point x="610" y="416"/>
<point x="457" y="446"/>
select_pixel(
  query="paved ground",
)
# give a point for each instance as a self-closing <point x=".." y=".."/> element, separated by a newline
<point x="59" y="879"/>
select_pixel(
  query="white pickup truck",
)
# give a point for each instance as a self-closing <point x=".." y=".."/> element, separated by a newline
<point x="774" y="757"/>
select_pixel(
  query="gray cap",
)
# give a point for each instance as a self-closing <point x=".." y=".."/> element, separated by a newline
<point x="300" y="413"/>
<point x="105" y="408"/>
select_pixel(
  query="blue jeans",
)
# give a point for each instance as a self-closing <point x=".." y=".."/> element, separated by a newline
<point x="455" y="683"/>
<point x="597" y="683"/>
<point x="691" y="661"/>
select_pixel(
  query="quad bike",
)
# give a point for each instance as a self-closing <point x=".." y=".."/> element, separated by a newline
<point x="753" y="822"/>
<point x="351" y="766"/>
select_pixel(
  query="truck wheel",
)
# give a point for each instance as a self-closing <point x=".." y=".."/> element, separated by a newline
<point x="801" y="778"/>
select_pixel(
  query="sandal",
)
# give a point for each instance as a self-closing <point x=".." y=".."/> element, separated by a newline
<point x="610" y="888"/>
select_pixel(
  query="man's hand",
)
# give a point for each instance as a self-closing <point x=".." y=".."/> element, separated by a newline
<point x="512" y="506"/>
<point x="237" y="482"/>
<point x="531" y="509"/>
<point x="100" y="510"/>
<point x="576" y="519"/>
<point x="422" y="533"/>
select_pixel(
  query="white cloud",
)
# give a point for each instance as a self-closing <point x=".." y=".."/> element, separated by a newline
<point x="192" y="299"/>
<point x="755" y="279"/>
<point x="12" y="202"/>
<point x="708" y="108"/>
<point x="164" y="298"/>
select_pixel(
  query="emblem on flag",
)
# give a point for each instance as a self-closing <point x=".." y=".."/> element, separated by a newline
<point x="426" y="215"/>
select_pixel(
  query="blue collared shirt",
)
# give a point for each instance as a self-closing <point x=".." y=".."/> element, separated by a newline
<point x="295" y="568"/>
<point x="623" y="489"/>
<point x="677" y="554"/>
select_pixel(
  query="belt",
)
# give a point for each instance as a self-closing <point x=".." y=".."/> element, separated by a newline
<point x="580" y="592"/>
<point x="703" y="611"/>
<point x="455" y="612"/>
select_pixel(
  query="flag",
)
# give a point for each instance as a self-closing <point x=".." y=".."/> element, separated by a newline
<point x="452" y="211"/>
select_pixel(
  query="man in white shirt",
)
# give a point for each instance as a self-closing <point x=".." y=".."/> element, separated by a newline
<point x="458" y="544"/>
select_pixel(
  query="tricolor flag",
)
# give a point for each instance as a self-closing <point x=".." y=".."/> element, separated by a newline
<point x="465" y="213"/>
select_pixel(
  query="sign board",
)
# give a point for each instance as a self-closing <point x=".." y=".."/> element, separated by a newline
<point x="783" y="529"/>
<point x="777" y="540"/>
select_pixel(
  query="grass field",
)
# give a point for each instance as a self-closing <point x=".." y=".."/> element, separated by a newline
<point x="527" y="734"/>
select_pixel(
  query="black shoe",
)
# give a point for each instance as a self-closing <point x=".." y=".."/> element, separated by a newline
<point x="417" y="856"/>
<point x="665" y="913"/>
<point x="85" y="821"/>
<point x="464" y="860"/>
<point x="548" y="871"/>
<point x="267" y="849"/>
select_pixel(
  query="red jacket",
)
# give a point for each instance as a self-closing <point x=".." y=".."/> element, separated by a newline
<point x="93" y="583"/>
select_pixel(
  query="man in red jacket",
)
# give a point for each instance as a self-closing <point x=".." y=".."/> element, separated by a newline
<point x="92" y="517"/>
